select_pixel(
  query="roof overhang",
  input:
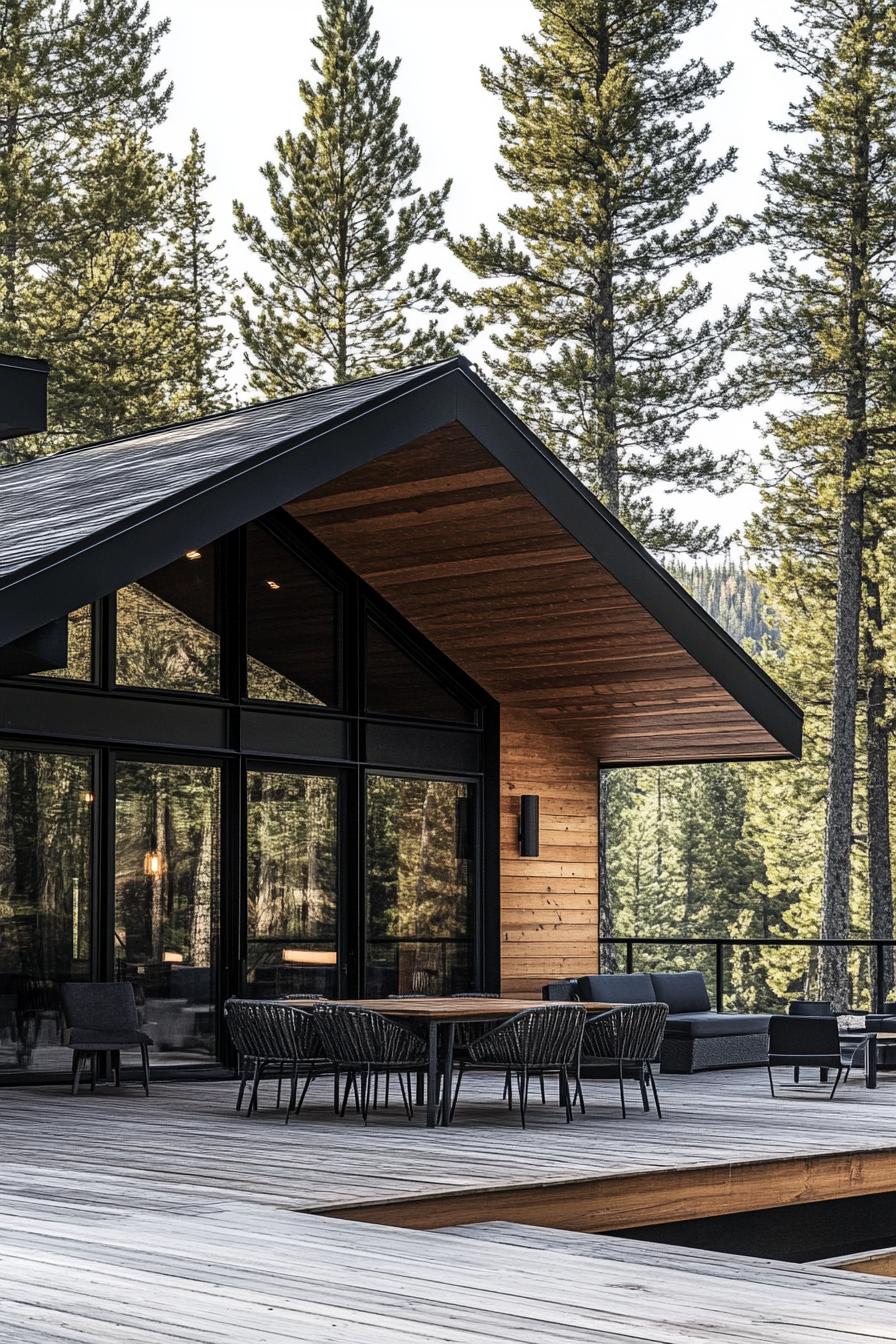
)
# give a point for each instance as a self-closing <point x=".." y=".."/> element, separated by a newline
<point x="718" y="679"/>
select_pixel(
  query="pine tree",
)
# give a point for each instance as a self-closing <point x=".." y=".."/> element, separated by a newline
<point x="109" y="323"/>
<point x="77" y="86"/>
<point x="603" y="343"/>
<point x="200" y="290"/>
<point x="339" y="301"/>
<point x="827" y="300"/>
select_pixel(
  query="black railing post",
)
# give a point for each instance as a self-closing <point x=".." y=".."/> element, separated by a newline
<point x="720" y="977"/>
<point x="629" y="956"/>
<point x="880" y="993"/>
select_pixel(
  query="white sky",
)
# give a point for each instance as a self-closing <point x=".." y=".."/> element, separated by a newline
<point x="236" y="64"/>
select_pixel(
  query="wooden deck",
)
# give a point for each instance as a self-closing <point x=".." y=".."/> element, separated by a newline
<point x="173" y="1218"/>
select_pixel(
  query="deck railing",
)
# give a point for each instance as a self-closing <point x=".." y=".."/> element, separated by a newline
<point x="874" y="986"/>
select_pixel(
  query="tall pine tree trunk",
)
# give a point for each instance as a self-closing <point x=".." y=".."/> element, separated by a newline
<point x="841" y="777"/>
<point x="602" y="319"/>
<point x="880" y="878"/>
<point x="605" y="917"/>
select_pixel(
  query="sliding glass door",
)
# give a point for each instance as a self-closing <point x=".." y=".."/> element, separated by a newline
<point x="46" y="916"/>
<point x="420" y="888"/>
<point x="292" y="878"/>
<point x="167" y="902"/>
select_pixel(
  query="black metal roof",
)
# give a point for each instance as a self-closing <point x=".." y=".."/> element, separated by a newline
<point x="81" y="523"/>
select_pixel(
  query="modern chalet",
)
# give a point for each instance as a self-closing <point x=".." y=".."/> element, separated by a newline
<point x="280" y="685"/>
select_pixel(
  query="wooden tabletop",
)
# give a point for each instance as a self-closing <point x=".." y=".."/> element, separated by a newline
<point x="447" y="1010"/>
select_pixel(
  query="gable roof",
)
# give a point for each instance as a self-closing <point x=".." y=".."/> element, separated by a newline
<point x="81" y="523"/>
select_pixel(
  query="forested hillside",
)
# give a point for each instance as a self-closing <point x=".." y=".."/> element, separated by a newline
<point x="724" y="850"/>
<point x="731" y="595"/>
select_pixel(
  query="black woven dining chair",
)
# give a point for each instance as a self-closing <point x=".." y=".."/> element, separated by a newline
<point x="276" y="1038"/>
<point x="539" y="1041"/>
<point x="624" y="1043"/>
<point x="365" y="1045"/>
<point x="240" y="1018"/>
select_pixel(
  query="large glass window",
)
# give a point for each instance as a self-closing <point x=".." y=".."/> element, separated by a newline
<point x="167" y="628"/>
<point x="292" y="625"/>
<point x="46" y="806"/>
<point x="420" y="885"/>
<point x="167" y="848"/>
<point x="293" y="872"/>
<point x="79" y="663"/>
<point x="397" y="684"/>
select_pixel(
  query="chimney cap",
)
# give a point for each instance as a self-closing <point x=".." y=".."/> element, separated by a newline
<point x="23" y="395"/>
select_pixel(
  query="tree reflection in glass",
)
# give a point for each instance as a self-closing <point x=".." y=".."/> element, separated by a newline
<point x="166" y="628"/>
<point x="292" y="879"/>
<point x="419" y="885"/>
<point x="46" y="806"/>
<point x="167" y="857"/>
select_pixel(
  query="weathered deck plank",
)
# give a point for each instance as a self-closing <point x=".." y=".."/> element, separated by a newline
<point x="175" y="1219"/>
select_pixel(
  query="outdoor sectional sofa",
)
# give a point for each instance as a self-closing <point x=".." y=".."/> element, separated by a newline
<point x="695" y="1037"/>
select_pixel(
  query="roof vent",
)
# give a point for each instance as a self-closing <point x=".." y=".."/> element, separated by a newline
<point x="23" y="396"/>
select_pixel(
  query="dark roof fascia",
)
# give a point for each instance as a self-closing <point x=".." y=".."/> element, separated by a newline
<point x="20" y="362"/>
<point x="601" y="534"/>
<point x="145" y="541"/>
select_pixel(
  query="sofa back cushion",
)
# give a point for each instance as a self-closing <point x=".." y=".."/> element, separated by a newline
<point x="683" y="991"/>
<point x="560" y="991"/>
<point x="616" y="989"/>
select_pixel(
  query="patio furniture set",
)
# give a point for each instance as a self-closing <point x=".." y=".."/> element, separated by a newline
<point x="696" y="1038"/>
<point x="603" y="1026"/>
<point x="439" y="1042"/>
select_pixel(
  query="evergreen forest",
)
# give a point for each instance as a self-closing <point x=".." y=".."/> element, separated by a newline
<point x="587" y="303"/>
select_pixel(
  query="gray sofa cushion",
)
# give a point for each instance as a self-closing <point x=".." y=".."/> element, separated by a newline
<point x="683" y="991"/>
<point x="699" y="1026"/>
<point x="616" y="989"/>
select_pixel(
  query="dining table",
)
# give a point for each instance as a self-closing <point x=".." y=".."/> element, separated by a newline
<point x="440" y="1017"/>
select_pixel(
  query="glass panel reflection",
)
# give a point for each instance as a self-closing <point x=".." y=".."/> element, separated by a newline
<point x="292" y="619"/>
<point x="419" y="886"/>
<point x="167" y="854"/>
<point x="166" y="628"/>
<point x="46" y="805"/>
<point x="292" y="858"/>
<point x="397" y="684"/>
<point x="79" y="664"/>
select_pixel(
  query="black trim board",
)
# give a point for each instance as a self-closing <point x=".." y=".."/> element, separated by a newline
<point x="439" y="395"/>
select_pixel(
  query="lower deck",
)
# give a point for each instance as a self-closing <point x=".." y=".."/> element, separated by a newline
<point x="174" y="1218"/>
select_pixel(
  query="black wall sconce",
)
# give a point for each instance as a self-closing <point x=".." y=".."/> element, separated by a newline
<point x="529" y="825"/>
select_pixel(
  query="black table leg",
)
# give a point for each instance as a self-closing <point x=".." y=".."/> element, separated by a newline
<point x="432" y="1072"/>
<point x="448" y="1076"/>
<point x="871" y="1062"/>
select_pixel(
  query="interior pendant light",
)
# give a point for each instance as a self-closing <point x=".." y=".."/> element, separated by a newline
<point x="153" y="864"/>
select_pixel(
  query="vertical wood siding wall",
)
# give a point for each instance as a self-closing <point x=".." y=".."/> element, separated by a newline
<point x="549" y="905"/>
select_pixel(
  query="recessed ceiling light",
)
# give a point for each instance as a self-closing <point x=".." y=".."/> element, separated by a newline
<point x="272" y="583"/>
<point x="194" y="555"/>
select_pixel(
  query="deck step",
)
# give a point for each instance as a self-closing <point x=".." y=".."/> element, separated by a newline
<point x="654" y="1255"/>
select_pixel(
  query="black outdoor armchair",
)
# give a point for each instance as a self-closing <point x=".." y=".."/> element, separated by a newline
<point x="814" y="1042"/>
<point x="102" y="1019"/>
<point x="536" y="1041"/>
